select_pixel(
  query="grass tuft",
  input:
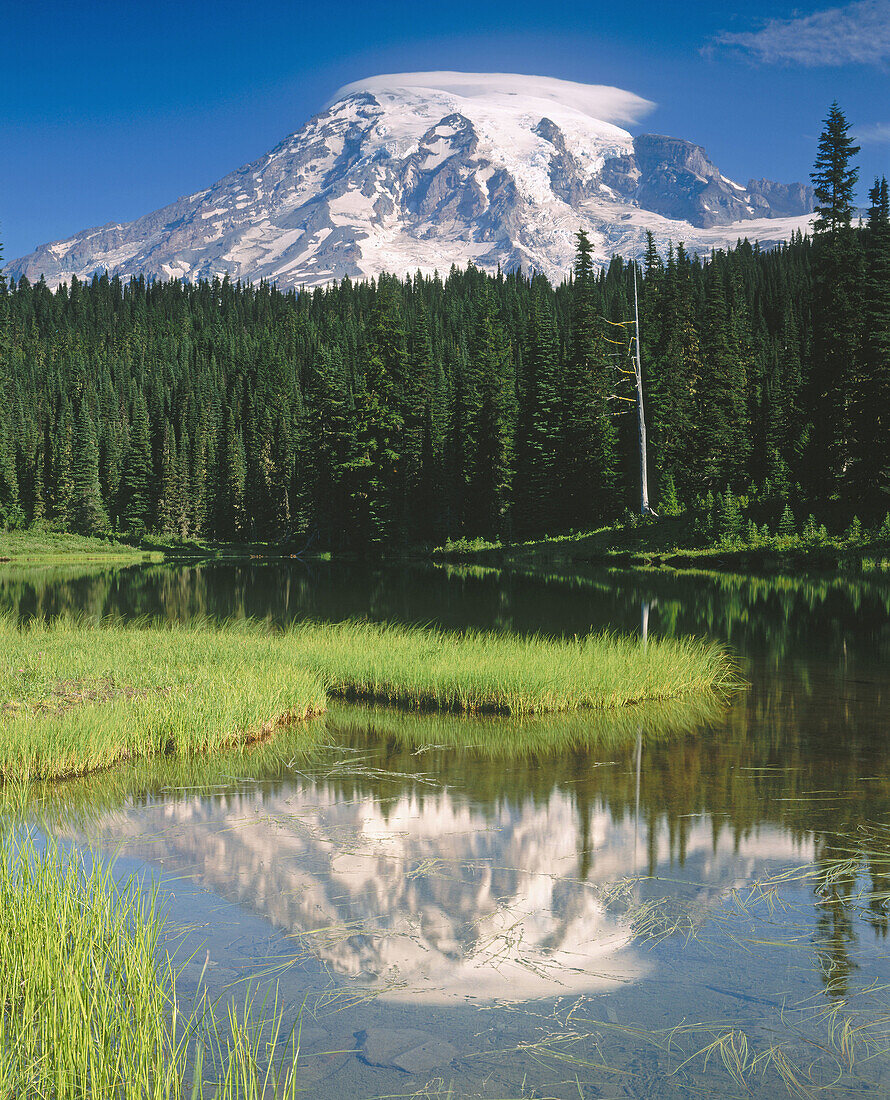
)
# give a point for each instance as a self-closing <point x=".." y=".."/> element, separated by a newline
<point x="77" y="697"/>
<point x="89" y="1001"/>
<point x="497" y="673"/>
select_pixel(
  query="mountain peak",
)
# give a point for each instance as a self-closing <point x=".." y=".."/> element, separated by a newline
<point x="412" y="171"/>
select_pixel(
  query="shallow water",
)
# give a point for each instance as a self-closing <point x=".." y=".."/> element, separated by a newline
<point x="681" y="903"/>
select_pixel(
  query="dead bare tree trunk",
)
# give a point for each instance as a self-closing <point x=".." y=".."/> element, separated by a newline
<point x="645" y="507"/>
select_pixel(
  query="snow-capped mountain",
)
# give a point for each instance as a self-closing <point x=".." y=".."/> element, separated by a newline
<point x="422" y="170"/>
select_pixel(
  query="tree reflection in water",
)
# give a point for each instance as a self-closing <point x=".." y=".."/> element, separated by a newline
<point x="686" y="852"/>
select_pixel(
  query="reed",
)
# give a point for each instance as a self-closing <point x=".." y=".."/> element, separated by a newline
<point x="89" y="1000"/>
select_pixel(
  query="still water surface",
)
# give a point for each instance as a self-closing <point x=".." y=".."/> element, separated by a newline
<point x="683" y="902"/>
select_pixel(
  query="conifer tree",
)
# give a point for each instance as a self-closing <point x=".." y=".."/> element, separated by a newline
<point x="722" y="428"/>
<point x="136" y="485"/>
<point x="876" y="353"/>
<point x="63" y="442"/>
<point x="169" y="509"/>
<point x="459" y="444"/>
<point x="326" y="485"/>
<point x="87" y="515"/>
<point x="781" y="397"/>
<point x="587" y="457"/>
<point x="38" y="502"/>
<point x="537" y="444"/>
<point x="10" y="508"/>
<point x="379" y="474"/>
<point x="229" y="514"/>
<point x="429" y="494"/>
<point x="836" y="380"/>
<point x="677" y="378"/>
<point x="10" y="511"/>
<point x="490" y="466"/>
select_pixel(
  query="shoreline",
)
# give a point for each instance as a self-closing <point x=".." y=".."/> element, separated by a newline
<point x="649" y="548"/>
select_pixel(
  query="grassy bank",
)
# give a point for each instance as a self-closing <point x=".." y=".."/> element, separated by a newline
<point x="76" y="697"/>
<point x="89" y="999"/>
<point x="36" y="546"/>
<point x="45" y="545"/>
<point x="679" y="542"/>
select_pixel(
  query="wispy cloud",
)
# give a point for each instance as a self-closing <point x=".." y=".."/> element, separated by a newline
<point x="873" y="133"/>
<point x="855" y="34"/>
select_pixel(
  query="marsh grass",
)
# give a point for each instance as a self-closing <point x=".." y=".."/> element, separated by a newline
<point x="76" y="697"/>
<point x="82" y="800"/>
<point x="89" y="1000"/>
<point x="473" y="672"/>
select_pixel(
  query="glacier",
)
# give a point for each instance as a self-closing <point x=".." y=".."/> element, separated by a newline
<point x="419" y="171"/>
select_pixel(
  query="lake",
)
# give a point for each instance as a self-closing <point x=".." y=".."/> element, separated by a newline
<point x="685" y="901"/>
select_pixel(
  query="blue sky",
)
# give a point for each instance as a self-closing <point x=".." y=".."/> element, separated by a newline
<point x="113" y="109"/>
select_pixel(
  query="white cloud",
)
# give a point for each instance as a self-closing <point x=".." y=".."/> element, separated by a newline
<point x="600" y="101"/>
<point x="855" y="34"/>
<point x="874" y="133"/>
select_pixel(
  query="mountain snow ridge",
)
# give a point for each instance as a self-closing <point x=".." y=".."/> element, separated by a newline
<point x="425" y="170"/>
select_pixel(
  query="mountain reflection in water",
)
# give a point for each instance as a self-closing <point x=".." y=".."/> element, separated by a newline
<point x="639" y="886"/>
<point x="420" y="891"/>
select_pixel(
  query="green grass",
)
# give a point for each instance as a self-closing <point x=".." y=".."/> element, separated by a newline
<point x="83" y="799"/>
<point x="677" y="543"/>
<point x="39" y="546"/>
<point x="486" y="672"/>
<point x="76" y="697"/>
<point x="88" y="999"/>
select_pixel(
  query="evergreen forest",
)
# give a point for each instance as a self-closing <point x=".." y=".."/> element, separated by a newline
<point x="382" y="414"/>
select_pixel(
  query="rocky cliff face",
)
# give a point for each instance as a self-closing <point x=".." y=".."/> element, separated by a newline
<point x="425" y="170"/>
<point x="676" y="179"/>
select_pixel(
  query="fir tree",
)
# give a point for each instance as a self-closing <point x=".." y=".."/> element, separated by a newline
<point x="587" y="459"/>
<point x="876" y="353"/>
<point x="836" y="381"/>
<point x="537" y="443"/>
<point x="169" y="508"/>
<point x="677" y="378"/>
<point x="721" y="410"/>
<point x="62" y="445"/>
<point x="229" y="514"/>
<point x="429" y="493"/>
<point x="136" y="485"/>
<point x="87" y="515"/>
<point x="490" y="468"/>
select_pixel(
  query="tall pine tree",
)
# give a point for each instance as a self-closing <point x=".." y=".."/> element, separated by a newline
<point x="836" y="390"/>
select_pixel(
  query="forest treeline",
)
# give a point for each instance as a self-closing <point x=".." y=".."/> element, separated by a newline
<point x="397" y="411"/>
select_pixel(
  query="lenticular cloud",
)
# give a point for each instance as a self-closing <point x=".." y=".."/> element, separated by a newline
<point x="599" y="101"/>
